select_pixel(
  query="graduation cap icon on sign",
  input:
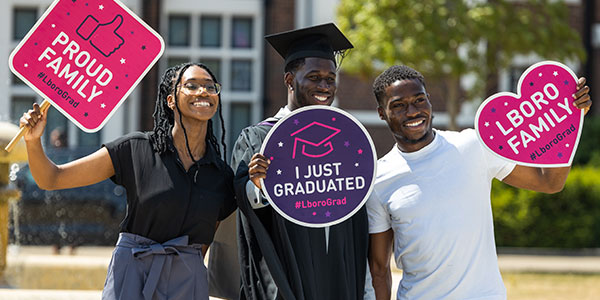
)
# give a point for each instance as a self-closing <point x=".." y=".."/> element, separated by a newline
<point x="315" y="139"/>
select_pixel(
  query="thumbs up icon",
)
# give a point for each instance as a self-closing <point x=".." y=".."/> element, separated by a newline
<point x="103" y="37"/>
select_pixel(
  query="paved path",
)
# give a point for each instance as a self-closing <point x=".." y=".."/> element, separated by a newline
<point x="95" y="256"/>
<point x="549" y="263"/>
<point x="17" y="294"/>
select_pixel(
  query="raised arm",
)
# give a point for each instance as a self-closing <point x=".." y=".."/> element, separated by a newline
<point x="549" y="180"/>
<point x="544" y="180"/>
<point x="380" y="253"/>
<point x="84" y="171"/>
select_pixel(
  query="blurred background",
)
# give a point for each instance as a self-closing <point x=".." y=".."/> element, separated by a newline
<point x="467" y="50"/>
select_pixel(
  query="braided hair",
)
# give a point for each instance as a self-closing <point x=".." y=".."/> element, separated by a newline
<point x="164" y="117"/>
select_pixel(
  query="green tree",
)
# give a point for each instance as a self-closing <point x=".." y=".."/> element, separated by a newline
<point x="447" y="39"/>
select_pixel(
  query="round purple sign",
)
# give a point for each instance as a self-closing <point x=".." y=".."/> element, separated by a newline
<point x="322" y="166"/>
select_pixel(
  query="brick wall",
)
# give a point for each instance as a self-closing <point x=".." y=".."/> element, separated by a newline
<point x="355" y="93"/>
<point x="149" y="84"/>
<point x="279" y="16"/>
<point x="382" y="138"/>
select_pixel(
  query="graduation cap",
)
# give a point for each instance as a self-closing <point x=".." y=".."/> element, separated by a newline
<point x="317" y="137"/>
<point x="323" y="41"/>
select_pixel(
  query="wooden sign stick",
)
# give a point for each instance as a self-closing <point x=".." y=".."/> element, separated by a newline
<point x="23" y="130"/>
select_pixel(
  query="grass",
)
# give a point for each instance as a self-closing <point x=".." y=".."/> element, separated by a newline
<point x="549" y="286"/>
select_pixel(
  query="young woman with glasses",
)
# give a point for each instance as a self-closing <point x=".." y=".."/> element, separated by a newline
<point x="178" y="188"/>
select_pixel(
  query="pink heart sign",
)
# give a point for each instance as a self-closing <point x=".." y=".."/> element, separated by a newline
<point x="538" y="127"/>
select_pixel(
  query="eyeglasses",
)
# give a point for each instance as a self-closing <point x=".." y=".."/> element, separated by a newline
<point x="195" y="88"/>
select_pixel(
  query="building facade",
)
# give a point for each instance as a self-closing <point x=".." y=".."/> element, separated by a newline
<point x="16" y="19"/>
<point x="227" y="36"/>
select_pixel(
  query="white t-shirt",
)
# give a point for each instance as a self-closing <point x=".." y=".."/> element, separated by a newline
<point x="437" y="201"/>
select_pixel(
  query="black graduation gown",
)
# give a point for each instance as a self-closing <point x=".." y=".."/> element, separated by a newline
<point x="282" y="260"/>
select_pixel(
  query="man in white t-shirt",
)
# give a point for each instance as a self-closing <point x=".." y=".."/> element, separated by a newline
<point x="431" y="200"/>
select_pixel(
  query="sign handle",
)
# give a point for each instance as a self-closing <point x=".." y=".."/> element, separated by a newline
<point x="23" y="130"/>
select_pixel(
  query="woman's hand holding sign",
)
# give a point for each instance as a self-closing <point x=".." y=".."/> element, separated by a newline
<point x="35" y="120"/>
<point x="44" y="107"/>
<point x="257" y="169"/>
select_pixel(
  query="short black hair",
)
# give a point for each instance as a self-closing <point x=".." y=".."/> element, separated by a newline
<point x="391" y="75"/>
<point x="294" y="65"/>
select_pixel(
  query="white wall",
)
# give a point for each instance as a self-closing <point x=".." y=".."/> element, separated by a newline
<point x="314" y="12"/>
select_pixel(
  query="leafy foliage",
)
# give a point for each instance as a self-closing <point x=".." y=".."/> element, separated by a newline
<point x="569" y="219"/>
<point x="452" y="38"/>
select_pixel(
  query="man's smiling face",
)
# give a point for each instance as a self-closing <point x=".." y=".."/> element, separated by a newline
<point x="407" y="111"/>
<point x="314" y="83"/>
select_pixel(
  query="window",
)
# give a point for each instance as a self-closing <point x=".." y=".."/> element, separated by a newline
<point x="241" y="35"/>
<point x="179" y="31"/>
<point x="221" y="39"/>
<point x="20" y="105"/>
<point x="240" y="119"/>
<point x="215" y="67"/>
<point x="16" y="80"/>
<point x="173" y="61"/>
<point x="513" y="77"/>
<point x="241" y="71"/>
<point x="24" y="19"/>
<point x="210" y="32"/>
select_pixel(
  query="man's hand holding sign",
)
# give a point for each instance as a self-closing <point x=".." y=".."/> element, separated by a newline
<point x="537" y="128"/>
<point x="85" y="58"/>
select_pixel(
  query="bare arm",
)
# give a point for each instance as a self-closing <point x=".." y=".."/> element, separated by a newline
<point x="549" y="180"/>
<point x="380" y="252"/>
<point x="84" y="171"/>
<point x="545" y="180"/>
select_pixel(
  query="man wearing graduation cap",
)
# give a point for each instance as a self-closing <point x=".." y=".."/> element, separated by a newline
<point x="280" y="259"/>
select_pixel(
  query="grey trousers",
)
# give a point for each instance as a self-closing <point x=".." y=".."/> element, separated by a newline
<point x="141" y="269"/>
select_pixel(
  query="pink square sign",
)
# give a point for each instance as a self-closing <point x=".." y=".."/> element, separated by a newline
<point x="86" y="57"/>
